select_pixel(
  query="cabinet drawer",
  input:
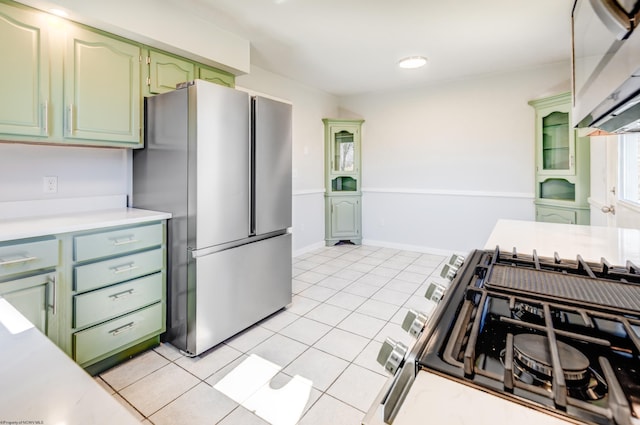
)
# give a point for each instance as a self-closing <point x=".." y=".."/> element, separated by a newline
<point x="24" y="257"/>
<point x="110" y="336"/>
<point x="555" y="215"/>
<point x="116" y="242"/>
<point x="103" y="273"/>
<point x="107" y="303"/>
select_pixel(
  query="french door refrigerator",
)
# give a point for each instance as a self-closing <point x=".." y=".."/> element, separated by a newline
<point x="219" y="161"/>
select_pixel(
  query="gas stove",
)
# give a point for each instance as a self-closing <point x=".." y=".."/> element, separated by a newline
<point x="558" y="335"/>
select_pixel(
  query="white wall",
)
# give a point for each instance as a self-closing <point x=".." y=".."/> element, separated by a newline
<point x="81" y="172"/>
<point x="441" y="164"/>
<point x="309" y="107"/>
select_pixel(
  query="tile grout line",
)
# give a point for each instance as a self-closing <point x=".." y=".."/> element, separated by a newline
<point x="370" y="254"/>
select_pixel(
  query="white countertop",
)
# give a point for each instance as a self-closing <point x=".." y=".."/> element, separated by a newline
<point x="568" y="240"/>
<point x="41" y="384"/>
<point x="20" y="228"/>
<point x="444" y="401"/>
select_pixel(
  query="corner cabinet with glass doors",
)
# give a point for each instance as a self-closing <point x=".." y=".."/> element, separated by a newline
<point x="562" y="164"/>
<point x="343" y="206"/>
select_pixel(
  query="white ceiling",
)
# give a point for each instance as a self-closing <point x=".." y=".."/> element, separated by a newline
<point x="352" y="46"/>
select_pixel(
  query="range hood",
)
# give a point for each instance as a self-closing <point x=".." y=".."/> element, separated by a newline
<point x="606" y="65"/>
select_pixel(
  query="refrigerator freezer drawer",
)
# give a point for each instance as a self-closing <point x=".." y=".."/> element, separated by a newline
<point x="238" y="287"/>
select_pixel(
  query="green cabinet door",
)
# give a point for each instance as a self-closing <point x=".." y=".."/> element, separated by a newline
<point x="24" y="74"/>
<point x="166" y="71"/>
<point x="101" y="88"/>
<point x="34" y="297"/>
<point x="216" y="76"/>
<point x="344" y="218"/>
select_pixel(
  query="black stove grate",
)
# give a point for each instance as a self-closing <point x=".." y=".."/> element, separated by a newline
<point x="597" y="292"/>
<point x="595" y="308"/>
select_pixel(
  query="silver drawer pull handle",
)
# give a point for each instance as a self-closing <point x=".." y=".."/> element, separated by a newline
<point x="124" y="268"/>
<point x="118" y="242"/>
<point x="120" y="295"/>
<point x="122" y="329"/>
<point x="4" y="262"/>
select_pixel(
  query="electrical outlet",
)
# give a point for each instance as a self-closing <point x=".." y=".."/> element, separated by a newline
<point x="50" y="184"/>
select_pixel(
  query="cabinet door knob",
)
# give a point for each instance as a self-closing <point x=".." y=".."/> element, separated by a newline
<point x="608" y="209"/>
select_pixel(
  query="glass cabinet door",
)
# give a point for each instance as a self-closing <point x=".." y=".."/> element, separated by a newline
<point x="344" y="152"/>
<point x="556" y="149"/>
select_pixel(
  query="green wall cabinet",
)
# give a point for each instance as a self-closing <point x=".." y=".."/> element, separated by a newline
<point x="343" y="210"/>
<point x="562" y="164"/>
<point x="24" y="74"/>
<point x="66" y="84"/>
<point x="215" y="76"/>
<point x="166" y="71"/>
<point x="101" y="88"/>
<point x="69" y="84"/>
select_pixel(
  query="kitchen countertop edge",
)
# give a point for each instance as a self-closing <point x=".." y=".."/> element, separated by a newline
<point x="31" y="227"/>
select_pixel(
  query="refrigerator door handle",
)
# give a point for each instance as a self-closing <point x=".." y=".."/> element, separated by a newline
<point x="252" y="162"/>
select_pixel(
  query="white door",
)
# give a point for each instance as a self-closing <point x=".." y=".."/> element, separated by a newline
<point x="628" y="172"/>
<point x="604" y="181"/>
<point x="615" y="181"/>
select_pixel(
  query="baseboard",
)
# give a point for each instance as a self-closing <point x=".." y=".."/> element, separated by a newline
<point x="308" y="248"/>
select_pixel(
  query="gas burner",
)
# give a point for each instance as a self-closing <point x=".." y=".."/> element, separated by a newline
<point x="532" y="352"/>
<point x="533" y="366"/>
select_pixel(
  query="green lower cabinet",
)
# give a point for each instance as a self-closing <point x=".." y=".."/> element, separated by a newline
<point x="343" y="222"/>
<point x="105" y="304"/>
<point x="34" y="297"/>
<point x="29" y="281"/>
<point x="567" y="215"/>
<point x="118" y="293"/>
<point x="101" y="341"/>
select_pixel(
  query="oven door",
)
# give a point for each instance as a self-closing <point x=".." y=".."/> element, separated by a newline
<point x="604" y="57"/>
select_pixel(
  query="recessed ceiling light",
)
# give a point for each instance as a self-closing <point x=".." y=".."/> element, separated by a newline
<point x="59" y="12"/>
<point x="412" y="62"/>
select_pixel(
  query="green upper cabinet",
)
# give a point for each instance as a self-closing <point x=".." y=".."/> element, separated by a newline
<point x="556" y="149"/>
<point x="166" y="71"/>
<point x="68" y="84"/>
<point x="101" y="88"/>
<point x="24" y="74"/>
<point x="342" y="150"/>
<point x="562" y="163"/>
<point x="216" y="76"/>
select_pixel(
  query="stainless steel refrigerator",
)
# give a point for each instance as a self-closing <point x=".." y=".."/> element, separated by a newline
<point x="220" y="161"/>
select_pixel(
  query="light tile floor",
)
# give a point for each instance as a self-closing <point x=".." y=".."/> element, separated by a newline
<point x="346" y="300"/>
